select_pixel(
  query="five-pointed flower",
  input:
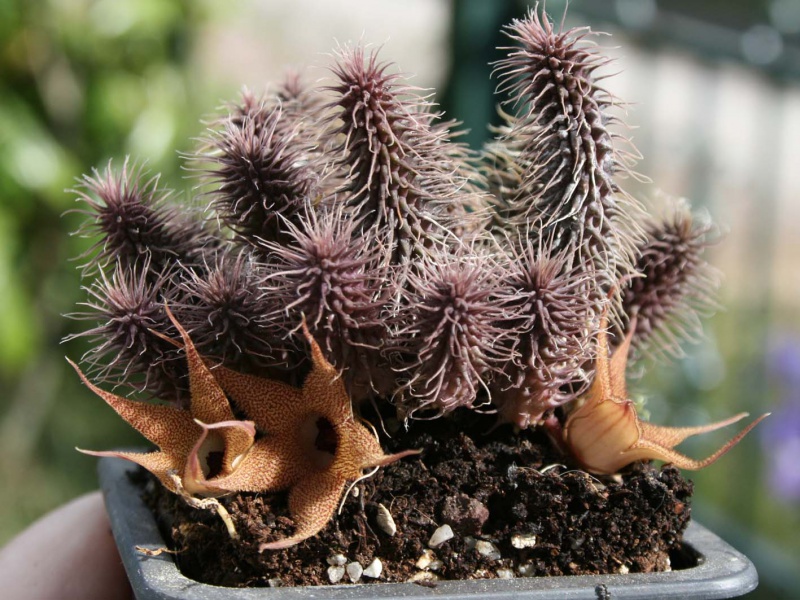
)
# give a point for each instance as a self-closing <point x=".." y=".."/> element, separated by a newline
<point x="306" y="440"/>
<point x="184" y="449"/>
<point x="605" y="434"/>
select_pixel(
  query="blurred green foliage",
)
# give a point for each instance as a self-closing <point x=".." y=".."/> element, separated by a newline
<point x="82" y="82"/>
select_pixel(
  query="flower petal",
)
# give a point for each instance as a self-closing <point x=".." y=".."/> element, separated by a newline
<point x="312" y="503"/>
<point x="171" y="429"/>
<point x="324" y="390"/>
<point x="208" y="401"/>
<point x="160" y="464"/>
<point x="266" y="402"/>
<point x="265" y="468"/>
<point x="669" y="437"/>
<point x="657" y="451"/>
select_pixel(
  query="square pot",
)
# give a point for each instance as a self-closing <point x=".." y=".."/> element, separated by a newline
<point x="721" y="572"/>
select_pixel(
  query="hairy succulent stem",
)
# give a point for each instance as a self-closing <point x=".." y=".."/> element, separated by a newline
<point x="127" y="308"/>
<point x="553" y="316"/>
<point x="226" y="312"/>
<point x="406" y="180"/>
<point x="138" y="229"/>
<point x="558" y="157"/>
<point x="452" y="330"/>
<point x="261" y="164"/>
<point x="326" y="275"/>
<point x="675" y="287"/>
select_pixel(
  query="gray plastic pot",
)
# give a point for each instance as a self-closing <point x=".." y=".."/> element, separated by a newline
<point x="722" y="572"/>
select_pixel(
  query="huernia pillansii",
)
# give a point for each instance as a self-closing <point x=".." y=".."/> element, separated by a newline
<point x="351" y="250"/>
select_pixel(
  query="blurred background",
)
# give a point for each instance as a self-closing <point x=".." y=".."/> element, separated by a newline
<point x="714" y="106"/>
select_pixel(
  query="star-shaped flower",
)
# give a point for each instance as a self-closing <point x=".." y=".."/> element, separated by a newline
<point x="309" y="442"/>
<point x="605" y="434"/>
<point x="184" y="447"/>
<point x="314" y="443"/>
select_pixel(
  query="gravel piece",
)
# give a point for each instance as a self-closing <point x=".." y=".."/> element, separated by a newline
<point x="425" y="560"/>
<point x="526" y="570"/>
<point x="423" y="576"/>
<point x="487" y="549"/>
<point x="505" y="574"/>
<point x="440" y="536"/>
<point x="354" y="571"/>
<point x="335" y="574"/>
<point x="374" y="569"/>
<point x="385" y="521"/>
<point x="520" y="541"/>
<point x="337" y="560"/>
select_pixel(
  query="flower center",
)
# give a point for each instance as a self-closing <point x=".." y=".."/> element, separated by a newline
<point x="319" y="440"/>
<point x="211" y="453"/>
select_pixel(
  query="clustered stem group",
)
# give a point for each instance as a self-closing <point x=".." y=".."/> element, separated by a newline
<point x="429" y="276"/>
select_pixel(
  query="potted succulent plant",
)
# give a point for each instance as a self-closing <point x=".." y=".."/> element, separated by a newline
<point x="368" y="355"/>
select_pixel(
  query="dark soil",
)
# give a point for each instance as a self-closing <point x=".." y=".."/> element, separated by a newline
<point x="509" y="489"/>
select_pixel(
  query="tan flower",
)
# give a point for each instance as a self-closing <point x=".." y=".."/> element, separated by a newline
<point x="309" y="441"/>
<point x="180" y="434"/>
<point x="604" y="432"/>
<point x="313" y="446"/>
